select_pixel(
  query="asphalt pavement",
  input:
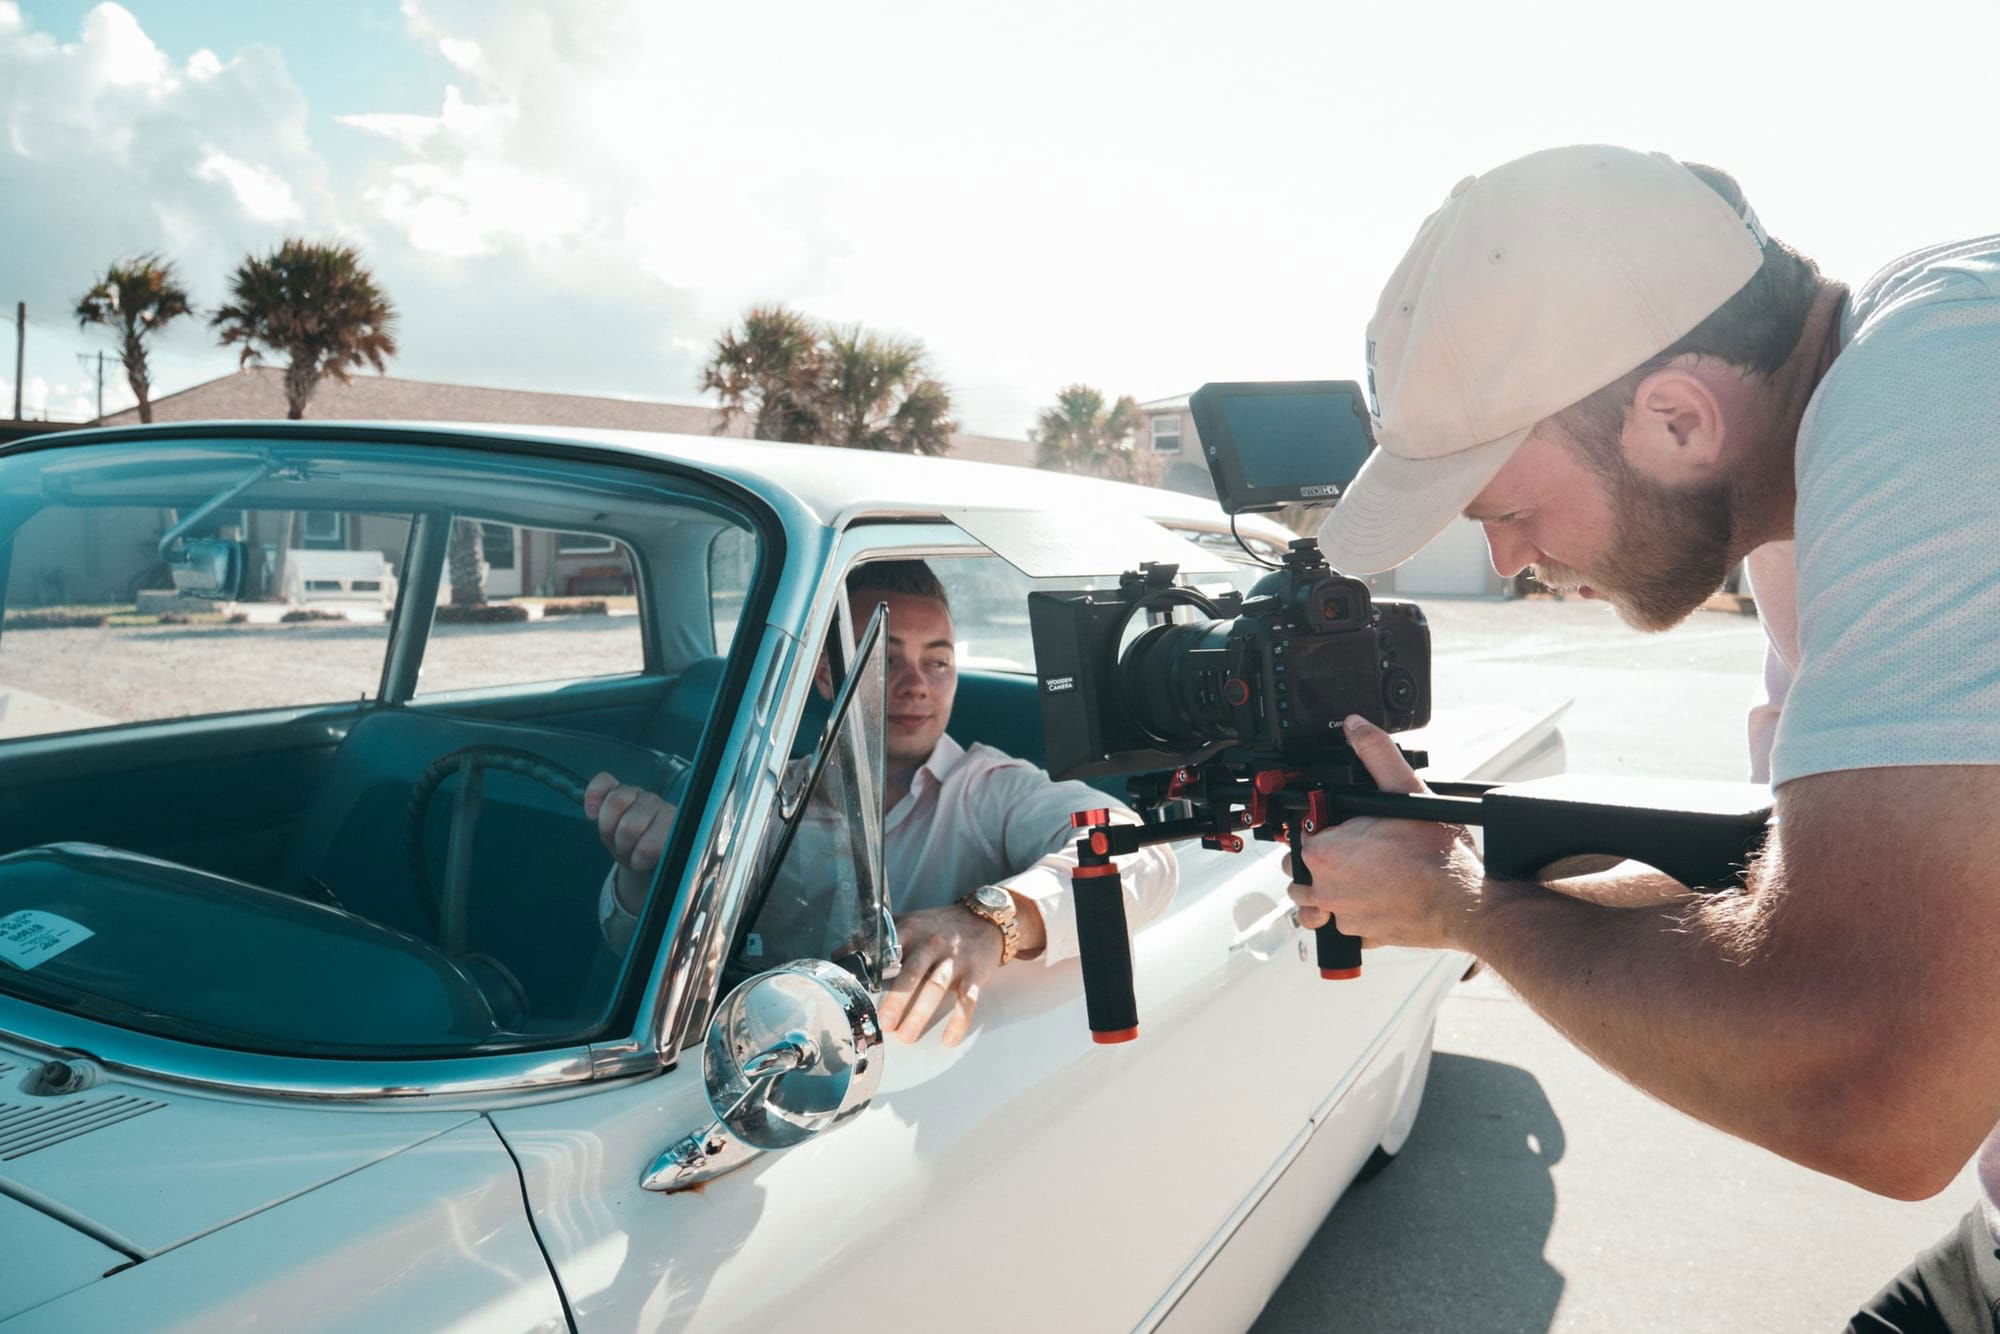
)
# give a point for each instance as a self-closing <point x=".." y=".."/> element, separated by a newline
<point x="1539" y="1191"/>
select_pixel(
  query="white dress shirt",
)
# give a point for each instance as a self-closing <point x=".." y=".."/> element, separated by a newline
<point x="982" y="817"/>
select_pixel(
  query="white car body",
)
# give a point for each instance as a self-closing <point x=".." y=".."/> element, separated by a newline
<point x="1164" y="1184"/>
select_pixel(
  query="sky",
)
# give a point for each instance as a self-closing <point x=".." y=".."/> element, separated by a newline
<point x="578" y="197"/>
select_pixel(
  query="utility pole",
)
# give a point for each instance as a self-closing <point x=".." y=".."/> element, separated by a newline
<point x="83" y="360"/>
<point x="20" y="346"/>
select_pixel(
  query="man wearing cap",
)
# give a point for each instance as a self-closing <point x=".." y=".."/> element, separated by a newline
<point x="1600" y="356"/>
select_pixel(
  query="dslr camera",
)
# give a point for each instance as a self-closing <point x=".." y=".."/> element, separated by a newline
<point x="1263" y="679"/>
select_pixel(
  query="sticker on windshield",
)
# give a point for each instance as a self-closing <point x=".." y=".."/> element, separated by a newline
<point x="28" y="937"/>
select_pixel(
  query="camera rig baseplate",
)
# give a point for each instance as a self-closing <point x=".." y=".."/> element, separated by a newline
<point x="1704" y="835"/>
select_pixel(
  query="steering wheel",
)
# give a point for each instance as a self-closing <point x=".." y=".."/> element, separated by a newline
<point x="449" y="909"/>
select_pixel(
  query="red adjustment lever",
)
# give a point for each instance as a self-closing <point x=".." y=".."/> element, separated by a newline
<point x="1090" y="819"/>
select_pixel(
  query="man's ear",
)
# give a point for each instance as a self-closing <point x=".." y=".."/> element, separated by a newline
<point x="1673" y="433"/>
<point x="823" y="677"/>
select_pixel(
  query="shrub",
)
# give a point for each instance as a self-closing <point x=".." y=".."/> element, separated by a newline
<point x="581" y="607"/>
<point x="56" y="620"/>
<point x="481" y="613"/>
<point x="297" y="614"/>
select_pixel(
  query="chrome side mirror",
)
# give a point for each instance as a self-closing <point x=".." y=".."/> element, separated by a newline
<point x="791" y="1053"/>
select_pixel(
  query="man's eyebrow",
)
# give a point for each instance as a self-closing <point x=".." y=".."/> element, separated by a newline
<point x="942" y="643"/>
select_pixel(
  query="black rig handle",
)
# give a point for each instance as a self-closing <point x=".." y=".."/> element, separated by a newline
<point x="1339" y="953"/>
<point x="1103" y="944"/>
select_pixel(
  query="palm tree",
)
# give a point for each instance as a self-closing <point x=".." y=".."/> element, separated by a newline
<point x="465" y="560"/>
<point x="811" y="384"/>
<point x="878" y="393"/>
<point x="771" y="368"/>
<point x="1079" y="434"/>
<point x="137" y="297"/>
<point x="316" y="306"/>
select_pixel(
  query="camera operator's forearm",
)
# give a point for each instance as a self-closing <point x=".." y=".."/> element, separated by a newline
<point x="1624" y="885"/>
<point x="1655" y="1000"/>
<point x="1735" y="1035"/>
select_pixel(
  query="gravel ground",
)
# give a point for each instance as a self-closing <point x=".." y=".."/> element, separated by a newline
<point x="122" y="675"/>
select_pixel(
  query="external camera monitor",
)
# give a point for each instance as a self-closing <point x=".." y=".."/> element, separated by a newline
<point x="1281" y="442"/>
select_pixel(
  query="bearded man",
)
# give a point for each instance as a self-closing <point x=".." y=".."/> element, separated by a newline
<point x="1601" y="356"/>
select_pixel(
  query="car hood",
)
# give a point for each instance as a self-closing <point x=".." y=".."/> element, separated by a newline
<point x="46" y="1258"/>
<point x="123" y="1171"/>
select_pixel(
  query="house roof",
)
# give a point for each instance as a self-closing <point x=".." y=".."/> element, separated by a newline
<point x="1165" y="404"/>
<point x="258" y="393"/>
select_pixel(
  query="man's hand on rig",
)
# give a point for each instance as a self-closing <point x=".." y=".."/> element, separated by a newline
<point x="1391" y="882"/>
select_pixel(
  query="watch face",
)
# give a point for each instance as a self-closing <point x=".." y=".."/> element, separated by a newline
<point x="999" y="900"/>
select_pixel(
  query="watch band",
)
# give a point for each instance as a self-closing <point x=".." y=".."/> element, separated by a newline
<point x="1010" y="930"/>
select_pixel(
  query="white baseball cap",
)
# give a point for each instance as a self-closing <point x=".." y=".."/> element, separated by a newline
<point x="1532" y="287"/>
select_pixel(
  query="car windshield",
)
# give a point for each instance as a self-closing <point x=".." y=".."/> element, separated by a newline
<point x="296" y="734"/>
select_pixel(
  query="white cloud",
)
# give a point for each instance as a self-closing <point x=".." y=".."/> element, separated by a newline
<point x="1130" y="195"/>
<point x="262" y="193"/>
<point x="118" y="51"/>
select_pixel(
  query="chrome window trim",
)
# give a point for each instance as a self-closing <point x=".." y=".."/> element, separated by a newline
<point x="219" y="1069"/>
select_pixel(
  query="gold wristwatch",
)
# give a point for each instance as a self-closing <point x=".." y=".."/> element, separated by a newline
<point x="996" y="905"/>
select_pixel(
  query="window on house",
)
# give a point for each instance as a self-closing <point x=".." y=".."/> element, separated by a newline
<point x="1167" y="435"/>
<point x="496" y="542"/>
<point x="323" y="530"/>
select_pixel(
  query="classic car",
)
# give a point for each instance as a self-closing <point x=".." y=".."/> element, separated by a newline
<point x="308" y="1016"/>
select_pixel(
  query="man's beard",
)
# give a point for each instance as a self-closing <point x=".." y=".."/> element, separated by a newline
<point x="1674" y="548"/>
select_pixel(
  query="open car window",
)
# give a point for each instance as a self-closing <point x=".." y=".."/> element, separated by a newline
<point x="394" y="870"/>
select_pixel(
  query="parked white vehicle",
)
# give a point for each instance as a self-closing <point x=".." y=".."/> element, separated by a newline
<point x="307" y="1020"/>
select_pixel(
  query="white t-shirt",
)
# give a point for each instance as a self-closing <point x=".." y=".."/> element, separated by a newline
<point x="1883" y="614"/>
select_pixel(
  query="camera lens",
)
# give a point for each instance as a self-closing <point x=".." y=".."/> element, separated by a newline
<point x="1174" y="683"/>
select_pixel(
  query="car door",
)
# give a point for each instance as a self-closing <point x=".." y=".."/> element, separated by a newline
<point x="1097" y="1175"/>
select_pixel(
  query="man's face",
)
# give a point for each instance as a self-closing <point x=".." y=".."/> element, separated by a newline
<point x="1654" y="551"/>
<point x="922" y="668"/>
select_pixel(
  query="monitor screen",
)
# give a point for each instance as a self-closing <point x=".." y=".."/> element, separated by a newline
<point x="1293" y="440"/>
<point x="1283" y="442"/>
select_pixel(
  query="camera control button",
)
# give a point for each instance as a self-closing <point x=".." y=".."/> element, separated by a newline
<point x="1236" y="692"/>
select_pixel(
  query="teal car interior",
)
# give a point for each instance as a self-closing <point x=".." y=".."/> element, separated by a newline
<point x="218" y="860"/>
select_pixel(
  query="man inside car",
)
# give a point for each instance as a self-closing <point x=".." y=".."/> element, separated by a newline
<point x="977" y="844"/>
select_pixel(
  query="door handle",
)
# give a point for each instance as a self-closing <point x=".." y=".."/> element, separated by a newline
<point x="1265" y="936"/>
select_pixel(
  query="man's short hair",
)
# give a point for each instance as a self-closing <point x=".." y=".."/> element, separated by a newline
<point x="896" y="576"/>
<point x="1757" y="329"/>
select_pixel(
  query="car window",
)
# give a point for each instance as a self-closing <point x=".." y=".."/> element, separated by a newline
<point x="97" y="635"/>
<point x="732" y="563"/>
<point x="521" y="604"/>
<point x="821" y="864"/>
<point x="426" y="860"/>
